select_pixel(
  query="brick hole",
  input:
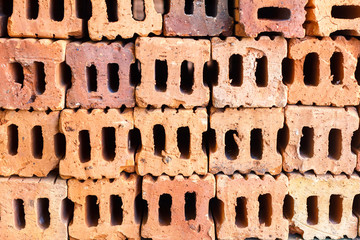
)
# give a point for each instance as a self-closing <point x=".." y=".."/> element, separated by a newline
<point x="265" y="209"/>
<point x="307" y="142"/>
<point x="67" y="210"/>
<point x="231" y="7"/>
<point x="288" y="70"/>
<point x="189" y="7"/>
<point x="335" y="208"/>
<point x="357" y="71"/>
<point x="113" y="77"/>
<point x="43" y="213"/>
<point x="311" y="69"/>
<point x="17" y="71"/>
<point x="57" y="10"/>
<point x="165" y="203"/>
<point x="92" y="213"/>
<point x="190" y="206"/>
<point x="162" y="6"/>
<point x="161" y="75"/>
<point x="241" y="218"/>
<point x="135" y="73"/>
<point x="84" y="146"/>
<point x="261" y="73"/>
<point x="209" y="140"/>
<point x="187" y="77"/>
<point x="216" y="210"/>
<point x="112" y="10"/>
<point x="211" y="73"/>
<point x="256" y="144"/>
<point x="83" y="9"/>
<point x="60" y="145"/>
<point x="356" y="205"/>
<point x="231" y="146"/>
<point x="345" y="12"/>
<point x="282" y="139"/>
<point x="337" y="68"/>
<point x="211" y="8"/>
<point x="65" y="75"/>
<point x="91" y="77"/>
<point x="159" y="139"/>
<point x="6" y="7"/>
<point x="13" y="139"/>
<point x="141" y="209"/>
<point x="335" y="144"/>
<point x="312" y="210"/>
<point x="274" y="13"/>
<point x="116" y="210"/>
<point x="134" y="140"/>
<point x="183" y="142"/>
<point x="19" y="213"/>
<point x="32" y="7"/>
<point x="39" y="77"/>
<point x="37" y="141"/>
<point x="236" y="70"/>
<point x="138" y="10"/>
<point x="108" y="143"/>
<point x="355" y="142"/>
<point x="288" y="207"/>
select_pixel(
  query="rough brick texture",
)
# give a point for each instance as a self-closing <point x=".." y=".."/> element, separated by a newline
<point x="246" y="140"/>
<point x="40" y="220"/>
<point x="97" y="143"/>
<point x="113" y="219"/>
<point x="243" y="80"/>
<point x="319" y="139"/>
<point x="174" y="151"/>
<point x="174" y="92"/>
<point x="179" y="224"/>
<point x="326" y="76"/>
<point x="107" y="90"/>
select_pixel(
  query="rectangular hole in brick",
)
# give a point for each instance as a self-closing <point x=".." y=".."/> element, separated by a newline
<point x="37" y="141"/>
<point x="216" y="210"/>
<point x="231" y="146"/>
<point x="187" y="77"/>
<point x="335" y="208"/>
<point x="337" y="68"/>
<point x="274" y="13"/>
<point x="67" y="210"/>
<point x="288" y="70"/>
<point x="113" y="77"/>
<point x="39" y="77"/>
<point x="19" y="213"/>
<point x="311" y="69"/>
<point x="134" y="140"/>
<point x="112" y="10"/>
<point x="138" y="10"/>
<point x="183" y="142"/>
<point x="282" y="139"/>
<point x="91" y="76"/>
<point x="13" y="139"/>
<point x="43" y="213"/>
<point x="345" y="12"/>
<point x="57" y="10"/>
<point x="65" y="75"/>
<point x="261" y="73"/>
<point x="335" y="144"/>
<point x="241" y="218"/>
<point x="165" y="203"/>
<point x="356" y="205"/>
<point x="312" y="210"/>
<point x="357" y="71"/>
<point x="355" y="142"/>
<point x="84" y="146"/>
<point x="208" y="141"/>
<point x="307" y="142"/>
<point x="231" y="7"/>
<point x="265" y="209"/>
<point x="6" y="7"/>
<point x="17" y="71"/>
<point x="236" y="70"/>
<point x="211" y="8"/>
<point x="135" y="73"/>
<point x="32" y="9"/>
<point x="256" y="144"/>
<point x="210" y="73"/>
<point x="83" y="9"/>
<point x="288" y="207"/>
<point x="141" y="209"/>
<point x="161" y="75"/>
<point x="108" y="143"/>
<point x="60" y="145"/>
<point x="159" y="139"/>
<point x="116" y="210"/>
<point x="189" y="7"/>
<point x="92" y="213"/>
<point x="190" y="206"/>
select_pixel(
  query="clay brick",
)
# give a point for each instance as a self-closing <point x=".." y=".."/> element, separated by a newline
<point x="246" y="140"/>
<point x="97" y="143"/>
<point x="112" y="215"/>
<point x="249" y="72"/>
<point x="47" y="20"/>
<point x="323" y="205"/>
<point x="198" y="19"/>
<point x="252" y="207"/>
<point x="171" y="141"/>
<point x="178" y="207"/>
<point x="324" y="71"/>
<point x="164" y="62"/>
<point x="111" y="86"/>
<point x="123" y="22"/>
<point x="256" y="16"/>
<point x="319" y="139"/>
<point x="30" y="143"/>
<point x="33" y="208"/>
<point x="30" y="73"/>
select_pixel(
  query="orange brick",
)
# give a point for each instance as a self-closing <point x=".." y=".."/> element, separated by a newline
<point x="106" y="209"/>
<point x="246" y="140"/>
<point x="249" y="72"/>
<point x="172" y="72"/>
<point x="97" y="143"/>
<point x="178" y="207"/>
<point x="324" y="71"/>
<point x="171" y="141"/>
<point x="319" y="139"/>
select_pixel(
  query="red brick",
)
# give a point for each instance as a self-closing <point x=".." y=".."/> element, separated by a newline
<point x="40" y="221"/>
<point x="174" y="51"/>
<point x="330" y="80"/>
<point x="112" y="223"/>
<point x="308" y="148"/>
<point x="180" y="224"/>
<point x="170" y="159"/>
<point x="80" y="56"/>
<point x="233" y="150"/>
<point x="102" y="158"/>
<point x="241" y="84"/>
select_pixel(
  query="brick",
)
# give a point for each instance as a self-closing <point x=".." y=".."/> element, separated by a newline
<point x="319" y="139"/>
<point x="123" y="23"/>
<point x="256" y="16"/>
<point x="162" y="61"/>
<point x="30" y="143"/>
<point x="246" y="140"/>
<point x="108" y="90"/>
<point x="113" y="213"/>
<point x="31" y="74"/>
<point x="249" y="72"/>
<point x="48" y="21"/>
<point x="174" y="220"/>
<point x="199" y="20"/>
<point x="324" y="71"/>
<point x="97" y="143"/>
<point x="41" y="200"/>
<point x="323" y="205"/>
<point x="252" y="206"/>
<point x="171" y="141"/>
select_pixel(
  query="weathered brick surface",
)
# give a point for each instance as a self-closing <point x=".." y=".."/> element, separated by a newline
<point x="319" y="84"/>
<point x="174" y="158"/>
<point x="246" y="89"/>
<point x="198" y="23"/>
<point x="115" y="221"/>
<point x="174" y="51"/>
<point x="334" y="220"/>
<point x="125" y="26"/>
<point x="30" y="53"/>
<point x="200" y="226"/>
<point x="36" y="225"/>
<point x="315" y="151"/>
<point x="96" y="161"/>
<point x="271" y="225"/>
<point x="25" y="23"/>
<point x="235" y="152"/>
<point x="112" y="93"/>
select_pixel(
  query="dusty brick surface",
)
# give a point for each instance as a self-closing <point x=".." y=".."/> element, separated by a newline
<point x="170" y="161"/>
<point x="127" y="187"/>
<point x="243" y="158"/>
<point x="245" y="91"/>
<point x="174" y="51"/>
<point x="82" y="166"/>
<point x="315" y="154"/>
<point x="30" y="190"/>
<point x="323" y="88"/>
<point x="202" y="227"/>
<point x="80" y="56"/>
